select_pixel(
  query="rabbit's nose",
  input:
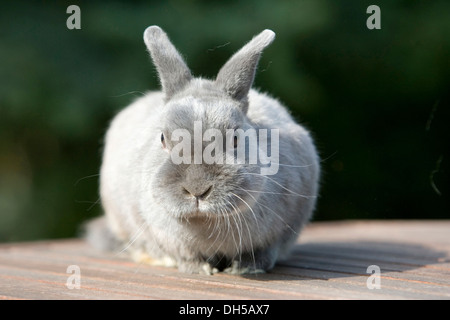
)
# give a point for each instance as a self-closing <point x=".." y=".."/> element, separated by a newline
<point x="199" y="193"/>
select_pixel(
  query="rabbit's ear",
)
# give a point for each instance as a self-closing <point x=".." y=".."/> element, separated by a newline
<point x="237" y="75"/>
<point x="173" y="71"/>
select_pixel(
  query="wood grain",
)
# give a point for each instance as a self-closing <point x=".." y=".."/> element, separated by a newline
<point x="329" y="262"/>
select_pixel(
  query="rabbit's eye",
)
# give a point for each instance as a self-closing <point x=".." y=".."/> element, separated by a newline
<point x="235" y="142"/>
<point x="163" y="141"/>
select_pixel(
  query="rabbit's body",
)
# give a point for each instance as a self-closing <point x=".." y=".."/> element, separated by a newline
<point x="200" y="216"/>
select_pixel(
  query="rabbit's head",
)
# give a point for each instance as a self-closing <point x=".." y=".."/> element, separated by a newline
<point x="199" y="174"/>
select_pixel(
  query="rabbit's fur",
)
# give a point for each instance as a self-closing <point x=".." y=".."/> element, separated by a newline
<point x="203" y="217"/>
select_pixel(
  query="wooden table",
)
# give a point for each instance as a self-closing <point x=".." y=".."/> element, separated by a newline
<point x="330" y="261"/>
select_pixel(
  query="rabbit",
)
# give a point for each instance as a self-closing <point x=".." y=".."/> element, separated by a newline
<point x="204" y="217"/>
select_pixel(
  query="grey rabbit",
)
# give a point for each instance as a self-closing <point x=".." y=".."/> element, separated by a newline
<point x="204" y="217"/>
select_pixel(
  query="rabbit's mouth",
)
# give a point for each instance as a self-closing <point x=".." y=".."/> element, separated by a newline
<point x="228" y="206"/>
<point x="199" y="217"/>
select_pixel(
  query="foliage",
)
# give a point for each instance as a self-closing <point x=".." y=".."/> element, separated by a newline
<point x="376" y="100"/>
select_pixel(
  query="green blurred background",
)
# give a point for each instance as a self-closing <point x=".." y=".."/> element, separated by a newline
<point x="377" y="101"/>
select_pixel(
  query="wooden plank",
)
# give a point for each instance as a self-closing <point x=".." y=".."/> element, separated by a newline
<point x="329" y="262"/>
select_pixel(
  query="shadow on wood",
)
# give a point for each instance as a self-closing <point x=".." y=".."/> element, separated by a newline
<point x="330" y="260"/>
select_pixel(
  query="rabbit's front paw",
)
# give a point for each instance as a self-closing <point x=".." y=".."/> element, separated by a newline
<point x="197" y="267"/>
<point x="238" y="269"/>
<point x="141" y="256"/>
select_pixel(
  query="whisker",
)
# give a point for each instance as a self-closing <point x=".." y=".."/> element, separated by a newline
<point x="253" y="212"/>
<point x="87" y="177"/>
<point x="93" y="205"/>
<point x="230" y="229"/>
<point x="216" y="226"/>
<point x="226" y="220"/>
<point x="241" y="236"/>
<point x="85" y="201"/>
<point x="127" y="93"/>
<point x="134" y="238"/>
<point x="329" y="157"/>
<point x="248" y="229"/>
<point x="251" y="244"/>
<point x="238" y="228"/>
<point x="276" y="214"/>
<point x="269" y="192"/>
<point x="278" y="184"/>
<point x="239" y="214"/>
<point x="292" y="165"/>
<point x="217" y="237"/>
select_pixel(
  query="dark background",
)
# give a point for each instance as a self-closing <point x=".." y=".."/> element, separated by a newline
<point x="376" y="101"/>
